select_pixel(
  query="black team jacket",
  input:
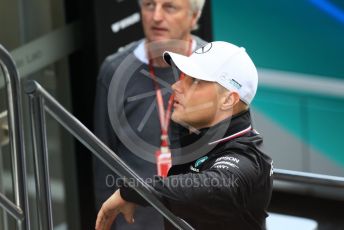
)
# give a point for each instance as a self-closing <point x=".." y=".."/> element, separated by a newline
<point x="229" y="187"/>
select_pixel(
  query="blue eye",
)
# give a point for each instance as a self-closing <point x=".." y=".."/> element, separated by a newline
<point x="148" y="5"/>
<point x="170" y="8"/>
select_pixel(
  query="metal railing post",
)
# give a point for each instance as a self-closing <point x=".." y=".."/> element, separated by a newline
<point x="2" y="190"/>
<point x="41" y="162"/>
<point x="16" y="133"/>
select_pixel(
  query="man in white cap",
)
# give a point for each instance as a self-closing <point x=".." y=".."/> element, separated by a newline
<point x="229" y="186"/>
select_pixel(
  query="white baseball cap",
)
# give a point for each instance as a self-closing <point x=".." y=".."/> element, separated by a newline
<point x="221" y="62"/>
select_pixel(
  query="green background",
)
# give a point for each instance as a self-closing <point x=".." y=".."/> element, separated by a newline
<point x="298" y="37"/>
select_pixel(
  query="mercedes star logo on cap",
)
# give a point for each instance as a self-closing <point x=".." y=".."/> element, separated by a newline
<point x="204" y="49"/>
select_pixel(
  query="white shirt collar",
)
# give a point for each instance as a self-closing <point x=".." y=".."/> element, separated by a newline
<point x="140" y="51"/>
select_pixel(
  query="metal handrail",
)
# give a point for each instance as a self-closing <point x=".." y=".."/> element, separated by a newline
<point x="41" y="101"/>
<point x="19" y="210"/>
<point x="309" y="178"/>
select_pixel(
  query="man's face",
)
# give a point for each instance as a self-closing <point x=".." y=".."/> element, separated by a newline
<point x="167" y="19"/>
<point x="196" y="102"/>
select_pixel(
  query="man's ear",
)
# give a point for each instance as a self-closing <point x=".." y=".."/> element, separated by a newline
<point x="195" y="17"/>
<point x="230" y="99"/>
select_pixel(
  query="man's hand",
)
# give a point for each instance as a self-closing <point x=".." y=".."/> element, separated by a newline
<point x="111" y="208"/>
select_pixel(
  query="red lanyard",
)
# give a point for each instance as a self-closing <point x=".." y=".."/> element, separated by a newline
<point x="164" y="115"/>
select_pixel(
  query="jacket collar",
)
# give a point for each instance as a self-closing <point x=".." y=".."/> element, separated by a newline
<point x="226" y="130"/>
<point x="141" y="54"/>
